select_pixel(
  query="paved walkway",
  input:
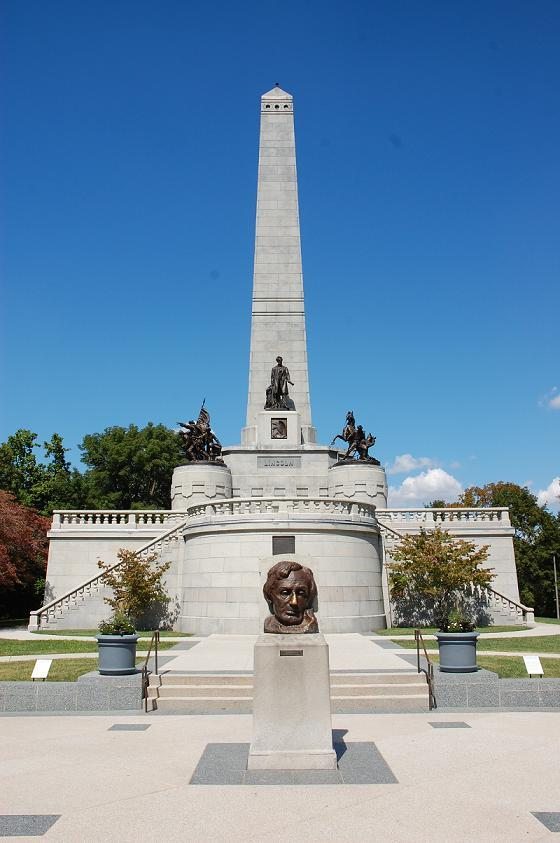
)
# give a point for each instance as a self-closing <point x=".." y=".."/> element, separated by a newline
<point x="538" y="629"/>
<point x="235" y="653"/>
<point x="90" y="782"/>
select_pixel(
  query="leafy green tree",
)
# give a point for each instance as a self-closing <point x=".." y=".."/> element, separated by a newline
<point x="138" y="590"/>
<point x="433" y="572"/>
<point x="537" y="537"/>
<point x="46" y="485"/>
<point x="19" y="470"/>
<point x="131" y="468"/>
<point x="59" y="485"/>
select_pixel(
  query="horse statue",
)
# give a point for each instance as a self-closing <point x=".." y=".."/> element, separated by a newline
<point x="357" y="441"/>
<point x="349" y="429"/>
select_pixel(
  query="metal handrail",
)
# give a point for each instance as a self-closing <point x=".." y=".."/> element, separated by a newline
<point x="145" y="681"/>
<point x="430" y="669"/>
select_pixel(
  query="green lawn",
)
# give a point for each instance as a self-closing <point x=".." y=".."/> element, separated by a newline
<point x="12" y="647"/>
<point x="164" y="633"/>
<point x="394" y="631"/>
<point x="64" y="670"/>
<point x="534" y="644"/>
<point x="547" y="620"/>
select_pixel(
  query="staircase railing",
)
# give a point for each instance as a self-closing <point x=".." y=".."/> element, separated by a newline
<point x="428" y="670"/>
<point x="94" y="583"/>
<point x="145" y="672"/>
<point x="526" y="614"/>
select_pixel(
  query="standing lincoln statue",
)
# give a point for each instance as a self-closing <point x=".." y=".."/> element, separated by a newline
<point x="277" y="395"/>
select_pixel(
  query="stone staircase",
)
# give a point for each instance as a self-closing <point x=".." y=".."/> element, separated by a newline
<point x="219" y="693"/>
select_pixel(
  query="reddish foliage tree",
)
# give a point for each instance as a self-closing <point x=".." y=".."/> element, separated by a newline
<point x="23" y="545"/>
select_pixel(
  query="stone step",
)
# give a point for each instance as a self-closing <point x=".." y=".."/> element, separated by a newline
<point x="204" y="705"/>
<point x="244" y="705"/>
<point x="219" y="693"/>
<point x="232" y="691"/>
<point x="379" y="703"/>
<point x="202" y="691"/>
<point x="377" y="678"/>
<point x="342" y="691"/>
<point x="166" y="679"/>
<point x="195" y="679"/>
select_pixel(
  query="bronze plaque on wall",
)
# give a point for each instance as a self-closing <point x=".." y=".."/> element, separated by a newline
<point x="279" y="428"/>
<point x="283" y="544"/>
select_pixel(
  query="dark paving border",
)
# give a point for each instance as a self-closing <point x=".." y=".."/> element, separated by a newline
<point x="26" y="825"/>
<point x="550" y="819"/>
<point x="358" y="763"/>
<point x="450" y="724"/>
<point x="129" y="727"/>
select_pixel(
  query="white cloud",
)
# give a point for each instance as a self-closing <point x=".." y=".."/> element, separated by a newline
<point x="422" y="488"/>
<point x="551" y="399"/>
<point x="550" y="495"/>
<point x="406" y="462"/>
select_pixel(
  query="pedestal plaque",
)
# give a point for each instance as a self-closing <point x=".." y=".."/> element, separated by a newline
<point x="292" y="708"/>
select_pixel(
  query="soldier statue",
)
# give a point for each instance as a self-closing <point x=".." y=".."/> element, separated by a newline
<point x="200" y="443"/>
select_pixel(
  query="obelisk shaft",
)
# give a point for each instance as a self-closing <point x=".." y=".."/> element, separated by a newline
<point x="278" y="314"/>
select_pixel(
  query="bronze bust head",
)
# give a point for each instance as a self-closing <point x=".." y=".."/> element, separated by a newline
<point x="290" y="590"/>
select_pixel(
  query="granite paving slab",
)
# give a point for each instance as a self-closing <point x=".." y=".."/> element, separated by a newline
<point x="359" y="762"/>
<point x="550" y="819"/>
<point x="26" y="825"/>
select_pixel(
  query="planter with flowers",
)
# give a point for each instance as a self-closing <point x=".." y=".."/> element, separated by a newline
<point x="138" y="597"/>
<point x="117" y="646"/>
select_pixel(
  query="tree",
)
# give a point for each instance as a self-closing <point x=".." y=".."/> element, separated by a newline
<point x="537" y="537"/>
<point x="138" y="591"/>
<point x="131" y="468"/>
<point x="23" y="555"/>
<point x="19" y="470"/>
<point x="433" y="573"/>
<point x="45" y="486"/>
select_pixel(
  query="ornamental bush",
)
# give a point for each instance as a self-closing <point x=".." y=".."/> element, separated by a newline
<point x="138" y="590"/>
<point x="433" y="578"/>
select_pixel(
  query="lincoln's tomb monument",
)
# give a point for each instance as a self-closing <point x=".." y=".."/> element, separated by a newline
<point x="278" y="496"/>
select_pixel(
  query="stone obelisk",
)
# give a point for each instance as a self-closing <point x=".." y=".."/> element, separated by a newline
<point x="278" y="314"/>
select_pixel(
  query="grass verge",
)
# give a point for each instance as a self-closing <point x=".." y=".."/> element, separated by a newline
<point x="13" y="647"/>
<point x="395" y="631"/>
<point x="534" y="644"/>
<point x="143" y="633"/>
<point x="65" y="670"/>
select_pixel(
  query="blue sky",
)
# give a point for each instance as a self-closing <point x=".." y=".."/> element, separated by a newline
<point x="427" y="138"/>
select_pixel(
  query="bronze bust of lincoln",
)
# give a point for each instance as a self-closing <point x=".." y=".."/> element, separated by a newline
<point x="290" y="591"/>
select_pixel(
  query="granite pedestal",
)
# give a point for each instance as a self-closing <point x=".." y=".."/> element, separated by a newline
<point x="291" y="707"/>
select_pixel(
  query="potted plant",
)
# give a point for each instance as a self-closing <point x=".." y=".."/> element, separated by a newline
<point x="435" y="575"/>
<point x="138" y="596"/>
<point x="116" y="643"/>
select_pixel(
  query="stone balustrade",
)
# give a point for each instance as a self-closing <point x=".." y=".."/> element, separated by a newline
<point x="119" y="519"/>
<point x="135" y="519"/>
<point x="430" y="517"/>
<point x="322" y="507"/>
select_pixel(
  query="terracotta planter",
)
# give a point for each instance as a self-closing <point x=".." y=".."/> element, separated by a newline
<point x="117" y="654"/>
<point x="457" y="652"/>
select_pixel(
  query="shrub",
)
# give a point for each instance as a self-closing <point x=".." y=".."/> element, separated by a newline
<point x="434" y="576"/>
<point x="138" y="591"/>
